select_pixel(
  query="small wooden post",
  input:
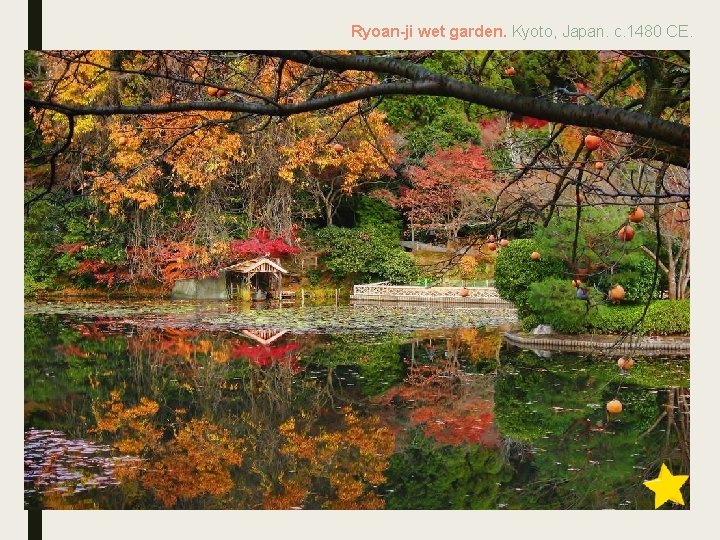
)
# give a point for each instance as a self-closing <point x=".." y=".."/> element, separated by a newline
<point x="302" y="297"/>
<point x="336" y="297"/>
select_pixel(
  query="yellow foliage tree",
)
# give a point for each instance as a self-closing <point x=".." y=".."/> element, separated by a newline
<point x="335" y="154"/>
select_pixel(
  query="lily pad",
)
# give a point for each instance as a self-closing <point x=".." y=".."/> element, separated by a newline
<point x="367" y="319"/>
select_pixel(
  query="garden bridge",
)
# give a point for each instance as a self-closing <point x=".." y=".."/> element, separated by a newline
<point x="384" y="291"/>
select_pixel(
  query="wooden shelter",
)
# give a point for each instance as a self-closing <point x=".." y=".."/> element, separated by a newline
<point x="261" y="276"/>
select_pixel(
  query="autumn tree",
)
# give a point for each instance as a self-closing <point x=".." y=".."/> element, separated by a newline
<point x="189" y="183"/>
<point x="281" y="83"/>
<point x="362" y="152"/>
<point x="451" y="189"/>
<point x="139" y="129"/>
<point x="262" y="243"/>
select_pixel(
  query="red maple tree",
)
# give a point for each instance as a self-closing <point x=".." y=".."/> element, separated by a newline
<point x="451" y="189"/>
<point x="261" y="242"/>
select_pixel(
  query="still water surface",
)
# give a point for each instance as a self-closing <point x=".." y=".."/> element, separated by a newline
<point x="154" y="405"/>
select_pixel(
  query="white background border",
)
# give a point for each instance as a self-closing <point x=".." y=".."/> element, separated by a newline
<point x="144" y="24"/>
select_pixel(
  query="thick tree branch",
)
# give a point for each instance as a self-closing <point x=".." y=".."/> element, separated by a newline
<point x="422" y="82"/>
<point x="585" y="116"/>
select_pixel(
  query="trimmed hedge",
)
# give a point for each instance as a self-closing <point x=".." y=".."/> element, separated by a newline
<point x="553" y="301"/>
<point x="515" y="272"/>
<point x="663" y="317"/>
<point x="635" y="273"/>
<point x="529" y="323"/>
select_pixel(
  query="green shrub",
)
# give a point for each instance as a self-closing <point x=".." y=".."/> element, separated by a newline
<point x="529" y="323"/>
<point x="371" y="213"/>
<point x="398" y="266"/>
<point x="370" y="254"/>
<point x="635" y="273"/>
<point x="48" y="226"/>
<point x="553" y="301"/>
<point x="515" y="272"/>
<point x="32" y="287"/>
<point x="445" y="130"/>
<point x="663" y="317"/>
<point x="314" y="276"/>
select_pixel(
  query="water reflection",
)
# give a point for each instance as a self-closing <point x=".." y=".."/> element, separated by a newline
<point x="62" y="468"/>
<point x="266" y="418"/>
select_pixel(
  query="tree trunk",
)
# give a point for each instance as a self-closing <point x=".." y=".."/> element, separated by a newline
<point x="327" y="200"/>
<point x="683" y="279"/>
<point x="672" y="283"/>
<point x="329" y="212"/>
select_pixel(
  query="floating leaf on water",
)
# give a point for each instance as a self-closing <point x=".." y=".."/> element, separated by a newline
<point x="368" y="319"/>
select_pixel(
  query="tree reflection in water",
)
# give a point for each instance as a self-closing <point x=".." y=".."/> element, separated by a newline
<point x="269" y="419"/>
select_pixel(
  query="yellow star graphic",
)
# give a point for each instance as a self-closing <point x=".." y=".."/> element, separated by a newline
<point x="667" y="487"/>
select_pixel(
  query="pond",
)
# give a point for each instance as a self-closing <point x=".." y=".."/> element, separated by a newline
<point x="159" y="405"/>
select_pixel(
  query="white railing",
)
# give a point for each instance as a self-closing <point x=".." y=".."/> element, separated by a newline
<point x="384" y="290"/>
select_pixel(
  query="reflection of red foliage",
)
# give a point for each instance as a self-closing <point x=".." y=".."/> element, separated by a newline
<point x="71" y="349"/>
<point x="456" y="427"/>
<point x="91" y="331"/>
<point x="446" y="416"/>
<point x="448" y="404"/>
<point x="170" y="342"/>
<point x="266" y="356"/>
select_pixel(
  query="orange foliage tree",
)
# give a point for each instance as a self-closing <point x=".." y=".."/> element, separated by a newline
<point x="196" y="461"/>
<point x="362" y="152"/>
<point x="211" y="164"/>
